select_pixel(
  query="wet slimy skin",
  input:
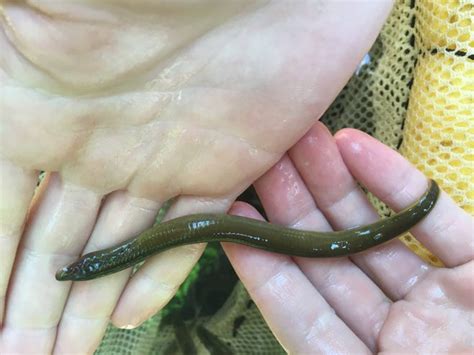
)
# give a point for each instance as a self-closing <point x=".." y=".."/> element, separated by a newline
<point x="200" y="228"/>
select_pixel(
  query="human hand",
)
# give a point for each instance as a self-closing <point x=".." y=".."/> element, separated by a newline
<point x="386" y="299"/>
<point x="132" y="105"/>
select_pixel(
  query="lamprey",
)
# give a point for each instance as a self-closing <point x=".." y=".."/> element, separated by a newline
<point x="201" y="228"/>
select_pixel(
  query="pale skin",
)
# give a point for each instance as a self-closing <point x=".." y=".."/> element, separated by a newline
<point x="385" y="300"/>
<point x="129" y="106"/>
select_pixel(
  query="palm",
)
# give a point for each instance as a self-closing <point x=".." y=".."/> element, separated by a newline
<point x="435" y="316"/>
<point x="198" y="104"/>
<point x="130" y="104"/>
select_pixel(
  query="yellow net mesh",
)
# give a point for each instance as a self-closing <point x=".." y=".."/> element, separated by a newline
<point x="439" y="131"/>
<point x="439" y="134"/>
<point x="415" y="93"/>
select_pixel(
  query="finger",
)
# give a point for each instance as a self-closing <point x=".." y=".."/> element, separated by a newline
<point x="299" y="317"/>
<point x="393" y="266"/>
<point x="447" y="231"/>
<point x="16" y="190"/>
<point x="91" y="303"/>
<point x="282" y="190"/>
<point x="56" y="232"/>
<point x="159" y="278"/>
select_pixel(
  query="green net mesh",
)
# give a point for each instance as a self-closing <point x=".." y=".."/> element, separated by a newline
<point x="414" y="92"/>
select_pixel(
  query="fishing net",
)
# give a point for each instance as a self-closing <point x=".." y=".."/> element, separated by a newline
<point x="414" y="92"/>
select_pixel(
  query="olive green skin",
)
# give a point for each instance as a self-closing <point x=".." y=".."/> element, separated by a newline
<point x="200" y="228"/>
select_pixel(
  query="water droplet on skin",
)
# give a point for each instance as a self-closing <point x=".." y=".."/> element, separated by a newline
<point x="356" y="147"/>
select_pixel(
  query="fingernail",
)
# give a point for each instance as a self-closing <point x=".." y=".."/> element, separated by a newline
<point x="128" y="326"/>
<point x="132" y="324"/>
